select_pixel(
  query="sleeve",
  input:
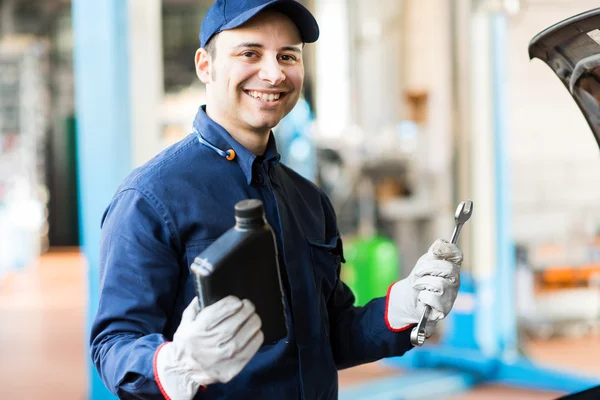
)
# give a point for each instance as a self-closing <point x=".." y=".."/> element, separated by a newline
<point x="139" y="277"/>
<point x="359" y="334"/>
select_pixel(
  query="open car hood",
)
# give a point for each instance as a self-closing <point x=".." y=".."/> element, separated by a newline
<point x="572" y="49"/>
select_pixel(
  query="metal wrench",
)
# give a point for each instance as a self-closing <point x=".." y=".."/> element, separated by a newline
<point x="462" y="215"/>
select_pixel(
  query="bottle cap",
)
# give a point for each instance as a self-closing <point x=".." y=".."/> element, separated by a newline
<point x="249" y="209"/>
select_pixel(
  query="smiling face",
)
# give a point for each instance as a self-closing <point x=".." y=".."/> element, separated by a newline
<point x="256" y="76"/>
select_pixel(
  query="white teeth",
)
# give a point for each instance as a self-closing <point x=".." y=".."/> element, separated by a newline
<point x="264" y="96"/>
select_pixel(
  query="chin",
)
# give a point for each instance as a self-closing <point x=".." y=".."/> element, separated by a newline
<point x="265" y="124"/>
<point x="264" y="127"/>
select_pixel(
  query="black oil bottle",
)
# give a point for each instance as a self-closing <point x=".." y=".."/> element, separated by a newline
<point x="243" y="262"/>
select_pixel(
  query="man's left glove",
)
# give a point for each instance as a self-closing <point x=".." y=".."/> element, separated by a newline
<point x="434" y="281"/>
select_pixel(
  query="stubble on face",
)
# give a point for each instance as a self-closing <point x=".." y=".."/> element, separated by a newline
<point x="211" y="49"/>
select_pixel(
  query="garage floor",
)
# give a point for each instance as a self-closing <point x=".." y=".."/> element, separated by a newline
<point x="42" y="348"/>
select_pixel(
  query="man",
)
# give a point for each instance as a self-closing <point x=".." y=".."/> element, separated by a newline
<point x="149" y="339"/>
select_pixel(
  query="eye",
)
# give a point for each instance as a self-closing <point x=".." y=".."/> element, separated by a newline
<point x="288" y="57"/>
<point x="249" y="54"/>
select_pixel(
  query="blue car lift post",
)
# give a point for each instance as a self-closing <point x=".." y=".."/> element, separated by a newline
<point x="459" y="362"/>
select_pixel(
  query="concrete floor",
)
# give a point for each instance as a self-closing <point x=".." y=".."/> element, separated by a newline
<point x="42" y="348"/>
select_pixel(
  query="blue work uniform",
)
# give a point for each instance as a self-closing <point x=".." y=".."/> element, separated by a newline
<point x="167" y="212"/>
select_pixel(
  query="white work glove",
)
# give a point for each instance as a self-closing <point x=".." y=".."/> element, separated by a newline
<point x="210" y="345"/>
<point x="434" y="281"/>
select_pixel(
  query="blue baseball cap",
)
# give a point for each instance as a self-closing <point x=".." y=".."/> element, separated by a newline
<point x="230" y="14"/>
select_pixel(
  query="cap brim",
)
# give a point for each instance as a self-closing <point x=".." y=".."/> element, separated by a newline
<point x="300" y="15"/>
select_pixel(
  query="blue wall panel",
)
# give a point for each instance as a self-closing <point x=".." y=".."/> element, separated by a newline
<point x="103" y="126"/>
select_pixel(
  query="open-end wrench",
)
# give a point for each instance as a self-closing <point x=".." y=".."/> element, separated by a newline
<point x="462" y="215"/>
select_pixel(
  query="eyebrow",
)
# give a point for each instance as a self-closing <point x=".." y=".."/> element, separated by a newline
<point x="295" y="49"/>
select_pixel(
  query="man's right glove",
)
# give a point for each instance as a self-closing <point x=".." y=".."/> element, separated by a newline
<point x="210" y="345"/>
<point x="434" y="281"/>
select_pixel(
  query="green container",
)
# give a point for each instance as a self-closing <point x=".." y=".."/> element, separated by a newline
<point x="372" y="265"/>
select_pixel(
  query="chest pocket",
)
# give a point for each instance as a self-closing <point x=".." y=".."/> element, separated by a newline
<point x="326" y="259"/>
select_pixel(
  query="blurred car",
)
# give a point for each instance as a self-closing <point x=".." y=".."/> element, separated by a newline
<point x="571" y="48"/>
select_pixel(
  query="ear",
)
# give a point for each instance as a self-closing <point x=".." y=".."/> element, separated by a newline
<point x="203" y="65"/>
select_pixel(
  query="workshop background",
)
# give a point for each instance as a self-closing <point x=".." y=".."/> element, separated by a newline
<point x="410" y="106"/>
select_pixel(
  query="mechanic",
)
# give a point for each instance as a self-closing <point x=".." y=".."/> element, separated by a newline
<point x="149" y="338"/>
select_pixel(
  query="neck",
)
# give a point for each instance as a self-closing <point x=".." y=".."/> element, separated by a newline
<point x="254" y="141"/>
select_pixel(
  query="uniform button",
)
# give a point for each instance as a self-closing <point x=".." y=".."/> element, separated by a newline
<point x="259" y="179"/>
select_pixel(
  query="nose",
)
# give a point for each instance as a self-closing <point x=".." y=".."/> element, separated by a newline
<point x="272" y="72"/>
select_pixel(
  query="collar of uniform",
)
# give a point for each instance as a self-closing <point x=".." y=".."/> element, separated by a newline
<point x="220" y="138"/>
<point x="272" y="156"/>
